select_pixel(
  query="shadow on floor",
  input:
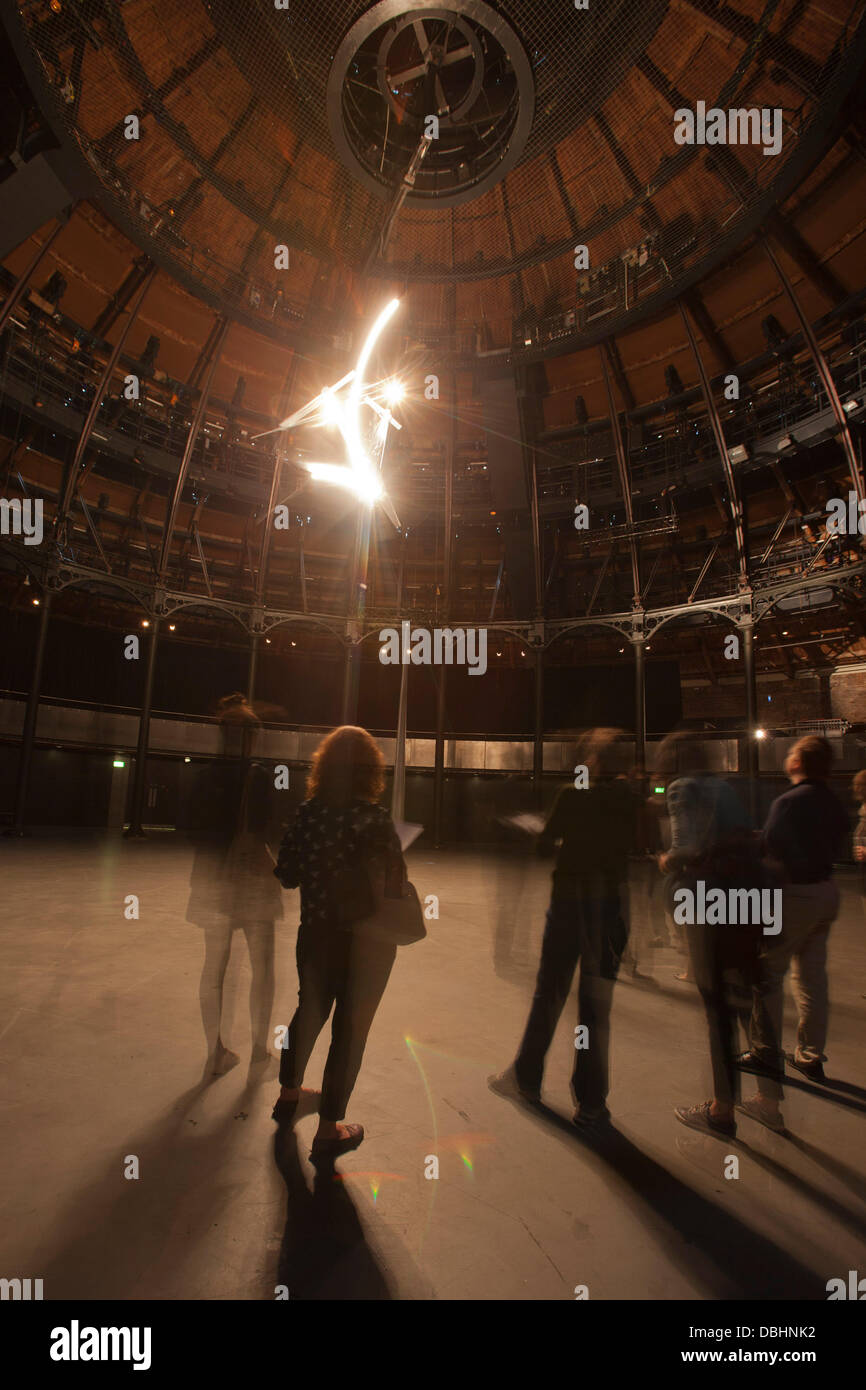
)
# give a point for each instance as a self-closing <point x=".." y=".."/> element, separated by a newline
<point x="324" y="1254"/>
<point x="719" y="1251"/>
<point x="143" y="1242"/>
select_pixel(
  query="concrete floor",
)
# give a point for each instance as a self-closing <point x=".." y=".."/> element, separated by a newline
<point x="102" y="1055"/>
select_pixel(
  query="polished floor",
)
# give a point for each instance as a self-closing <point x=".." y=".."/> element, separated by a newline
<point x="102" y="1064"/>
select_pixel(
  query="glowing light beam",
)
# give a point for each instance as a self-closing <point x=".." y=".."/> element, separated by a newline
<point x="329" y="409"/>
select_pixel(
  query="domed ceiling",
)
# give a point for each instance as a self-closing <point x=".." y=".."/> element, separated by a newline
<point x="308" y="127"/>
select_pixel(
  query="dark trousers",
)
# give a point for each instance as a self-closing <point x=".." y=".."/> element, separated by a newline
<point x="335" y="970"/>
<point x="589" y="929"/>
<point x="726" y="965"/>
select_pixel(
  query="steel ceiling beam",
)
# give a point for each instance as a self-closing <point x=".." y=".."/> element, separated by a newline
<point x="216" y="340"/>
<point x="712" y="336"/>
<point x="802" y="255"/>
<point x="624" y="480"/>
<point x="96" y="406"/>
<point x="133" y="279"/>
<point x="827" y="381"/>
<point x="619" y="376"/>
<point x="623" y="163"/>
<point x="725" y="22"/>
<point x="721" y="446"/>
<point x="561" y="189"/>
<point x="16" y="294"/>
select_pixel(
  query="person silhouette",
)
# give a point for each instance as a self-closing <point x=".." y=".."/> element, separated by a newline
<point x="232" y="886"/>
<point x="340" y="827"/>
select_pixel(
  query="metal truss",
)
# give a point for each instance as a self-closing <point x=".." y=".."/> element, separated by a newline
<point x="743" y="609"/>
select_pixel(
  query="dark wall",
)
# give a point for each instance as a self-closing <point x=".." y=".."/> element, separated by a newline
<point x="583" y="697"/>
<point x="87" y="663"/>
<point x="66" y="787"/>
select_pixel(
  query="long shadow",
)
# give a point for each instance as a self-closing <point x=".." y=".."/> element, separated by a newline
<point x="830" y="1090"/>
<point x="808" y="1189"/>
<point x="116" y="1248"/>
<point x="731" y="1259"/>
<point x="849" y="1177"/>
<point x="324" y="1253"/>
<point x="846" y="1087"/>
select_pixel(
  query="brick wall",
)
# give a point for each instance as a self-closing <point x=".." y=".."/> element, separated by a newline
<point x="848" y="695"/>
<point x="792" y="700"/>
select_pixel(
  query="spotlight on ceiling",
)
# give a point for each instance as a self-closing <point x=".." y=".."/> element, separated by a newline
<point x="330" y="407"/>
<point x="850" y="406"/>
<point x="785" y="443"/>
<point x="738" y="454"/>
<point x="760" y="734"/>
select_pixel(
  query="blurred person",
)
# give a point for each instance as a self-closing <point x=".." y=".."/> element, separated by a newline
<point x="646" y="926"/>
<point x="657" y="823"/>
<point x="340" y="825"/>
<point x="232" y="882"/>
<point x="594" y="829"/>
<point x="515" y="827"/>
<point x="666" y="768"/>
<point x="859" y="789"/>
<point x="805" y="829"/>
<point x="712" y="841"/>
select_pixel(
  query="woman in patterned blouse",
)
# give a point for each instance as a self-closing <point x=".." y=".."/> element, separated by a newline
<point x="339" y="825"/>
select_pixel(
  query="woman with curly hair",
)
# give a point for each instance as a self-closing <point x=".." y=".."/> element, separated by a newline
<point x="340" y="826"/>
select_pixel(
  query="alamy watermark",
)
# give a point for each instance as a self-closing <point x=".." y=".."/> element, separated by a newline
<point x="846" y="516"/>
<point x="443" y="646"/>
<point x="19" y="518"/>
<point x="76" y="1343"/>
<point x="731" y="907"/>
<point x="739" y="126"/>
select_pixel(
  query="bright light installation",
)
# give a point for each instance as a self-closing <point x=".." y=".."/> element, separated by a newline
<point x="331" y="409"/>
<point x="394" y="392"/>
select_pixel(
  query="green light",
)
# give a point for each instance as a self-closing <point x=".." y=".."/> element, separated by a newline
<point x="658" y="789"/>
<point x="118" y="762"/>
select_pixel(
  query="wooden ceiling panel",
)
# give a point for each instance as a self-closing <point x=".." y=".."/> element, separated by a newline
<point x="815" y="30"/>
<point x="421" y="234"/>
<point x="677" y="43"/>
<point x="156" y="167"/>
<point x="106" y="91"/>
<point x="165" y="34"/>
<point x="481" y="230"/>
<point x="209" y="109"/>
<point x="219" y="229"/>
<point x="535" y="206"/>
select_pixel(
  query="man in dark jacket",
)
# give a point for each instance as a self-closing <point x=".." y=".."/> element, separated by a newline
<point x="593" y="823"/>
<point x="803" y="835"/>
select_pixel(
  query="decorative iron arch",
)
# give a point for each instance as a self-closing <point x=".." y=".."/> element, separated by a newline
<point x="125" y="587"/>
